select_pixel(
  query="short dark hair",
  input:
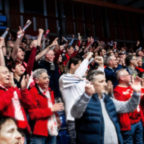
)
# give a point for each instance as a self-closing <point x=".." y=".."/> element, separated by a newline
<point x="12" y="64"/>
<point x="128" y="59"/>
<point x="74" y="60"/>
<point x="3" y="119"/>
<point x="100" y="50"/>
<point x="93" y="73"/>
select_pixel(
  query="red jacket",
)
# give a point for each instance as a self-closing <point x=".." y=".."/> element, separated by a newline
<point x="39" y="111"/>
<point x="126" y="119"/>
<point x="7" y="107"/>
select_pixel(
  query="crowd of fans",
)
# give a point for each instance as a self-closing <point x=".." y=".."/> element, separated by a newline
<point x="99" y="85"/>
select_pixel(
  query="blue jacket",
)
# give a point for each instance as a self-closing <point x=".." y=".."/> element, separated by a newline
<point x="90" y="127"/>
<point x="111" y="74"/>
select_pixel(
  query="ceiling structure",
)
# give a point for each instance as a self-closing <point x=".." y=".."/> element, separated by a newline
<point x="136" y="6"/>
<point x="130" y="3"/>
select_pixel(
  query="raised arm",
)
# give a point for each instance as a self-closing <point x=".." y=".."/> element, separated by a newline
<point x="34" y="45"/>
<point x="2" y="60"/>
<point x="100" y="61"/>
<point x="127" y="106"/>
<point x="72" y="40"/>
<point x="20" y="35"/>
<point x="31" y="60"/>
<point x="79" y="107"/>
<point x="132" y="103"/>
<point x="84" y="65"/>
<point x="43" y="52"/>
<point x="4" y="49"/>
<point x="41" y="31"/>
<point x="89" y="44"/>
<point x="79" y="40"/>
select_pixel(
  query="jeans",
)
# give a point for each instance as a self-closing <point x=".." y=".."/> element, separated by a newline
<point x="135" y="135"/>
<point x="71" y="131"/>
<point x="42" y="139"/>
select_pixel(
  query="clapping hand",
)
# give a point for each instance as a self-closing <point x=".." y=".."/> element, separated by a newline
<point x="24" y="82"/>
<point x="109" y="87"/>
<point x="136" y="84"/>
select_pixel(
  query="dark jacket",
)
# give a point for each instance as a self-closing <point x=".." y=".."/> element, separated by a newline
<point x="111" y="74"/>
<point x="54" y="76"/>
<point x="90" y="127"/>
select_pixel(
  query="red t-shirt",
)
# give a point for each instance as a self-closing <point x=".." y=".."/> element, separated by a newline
<point x="126" y="119"/>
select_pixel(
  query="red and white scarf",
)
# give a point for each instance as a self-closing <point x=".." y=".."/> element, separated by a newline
<point x="52" y="122"/>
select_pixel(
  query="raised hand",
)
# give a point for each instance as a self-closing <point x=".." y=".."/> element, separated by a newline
<point x="34" y="43"/>
<point x="40" y="30"/>
<point x="91" y="40"/>
<point x="55" y="42"/>
<point x="89" y="55"/>
<point x="89" y="89"/>
<point x="62" y="47"/>
<point x="136" y="84"/>
<point x="64" y="39"/>
<point x="73" y="36"/>
<point x="20" y="32"/>
<point x="79" y="37"/>
<point x="99" y="60"/>
<point x="77" y="48"/>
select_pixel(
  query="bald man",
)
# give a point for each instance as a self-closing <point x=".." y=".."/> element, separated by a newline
<point x="52" y="70"/>
<point x="131" y="124"/>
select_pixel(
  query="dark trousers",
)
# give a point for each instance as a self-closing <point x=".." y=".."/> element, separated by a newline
<point x="135" y="135"/>
<point x="71" y="131"/>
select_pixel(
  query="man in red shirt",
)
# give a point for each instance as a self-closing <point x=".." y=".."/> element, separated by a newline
<point x="131" y="123"/>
